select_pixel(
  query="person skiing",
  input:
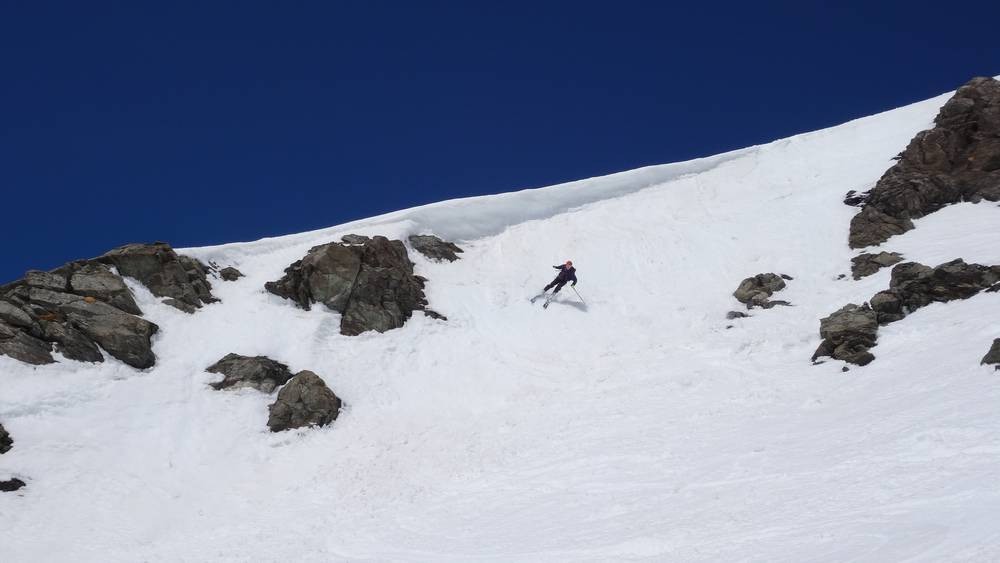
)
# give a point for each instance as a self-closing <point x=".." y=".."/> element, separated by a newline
<point x="567" y="273"/>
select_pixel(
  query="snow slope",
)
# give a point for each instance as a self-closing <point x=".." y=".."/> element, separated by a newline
<point x="636" y="426"/>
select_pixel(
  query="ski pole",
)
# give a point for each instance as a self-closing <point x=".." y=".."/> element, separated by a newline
<point x="578" y="294"/>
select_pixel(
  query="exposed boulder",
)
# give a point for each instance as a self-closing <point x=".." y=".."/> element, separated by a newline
<point x="958" y="160"/>
<point x="354" y="239"/>
<point x="23" y="347"/>
<point x="72" y="343"/>
<point x="11" y="485"/>
<point x="372" y="284"/>
<point x="867" y="264"/>
<point x="756" y="291"/>
<point x="96" y="280"/>
<point x="991" y="358"/>
<point x="848" y="334"/>
<point x="163" y="272"/>
<point x="230" y="273"/>
<point x="304" y="401"/>
<point x="435" y="248"/>
<point x="258" y="372"/>
<point x="126" y="337"/>
<point x="6" y="442"/>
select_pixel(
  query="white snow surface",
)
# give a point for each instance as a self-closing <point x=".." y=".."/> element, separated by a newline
<point x="638" y="426"/>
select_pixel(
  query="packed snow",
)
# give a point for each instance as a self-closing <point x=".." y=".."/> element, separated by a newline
<point x="637" y="425"/>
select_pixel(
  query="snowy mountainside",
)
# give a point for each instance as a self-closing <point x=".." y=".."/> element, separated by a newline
<point x="640" y="425"/>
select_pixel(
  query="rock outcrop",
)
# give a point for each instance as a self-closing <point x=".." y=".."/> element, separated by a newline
<point x="851" y="331"/>
<point x="258" y="372"/>
<point x="435" y="248"/>
<point x="756" y="291"/>
<point x="848" y="334"/>
<point x="354" y="239"/>
<point x="991" y="358"/>
<point x="867" y="264"/>
<point x="182" y="279"/>
<point x="230" y="273"/>
<point x="371" y="284"/>
<point x="6" y="442"/>
<point x="304" y="401"/>
<point x="958" y="160"/>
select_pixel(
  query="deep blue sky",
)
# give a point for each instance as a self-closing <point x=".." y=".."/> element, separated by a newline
<point x="208" y="122"/>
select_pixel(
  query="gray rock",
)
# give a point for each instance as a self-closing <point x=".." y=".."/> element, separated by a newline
<point x="372" y="285"/>
<point x="848" y="334"/>
<point x="736" y="315"/>
<point x="991" y="358"/>
<point x="11" y="485"/>
<point x="887" y="306"/>
<point x="917" y="285"/>
<point x="125" y="337"/>
<point x="163" y="272"/>
<point x="96" y="280"/>
<point x="304" y="401"/>
<point x="24" y="347"/>
<point x="6" y="442"/>
<point x="183" y="306"/>
<point x="230" y="273"/>
<point x="867" y="264"/>
<point x="72" y="343"/>
<point x="355" y="239"/>
<point x="45" y="280"/>
<point x="755" y="291"/>
<point x="435" y="248"/>
<point x="856" y="199"/>
<point x="957" y="160"/>
<point x="18" y="317"/>
<point x="258" y="372"/>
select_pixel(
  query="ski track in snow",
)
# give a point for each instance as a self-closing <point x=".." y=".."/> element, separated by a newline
<point x="636" y="426"/>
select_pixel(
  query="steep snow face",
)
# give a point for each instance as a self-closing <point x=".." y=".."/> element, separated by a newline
<point x="637" y="425"/>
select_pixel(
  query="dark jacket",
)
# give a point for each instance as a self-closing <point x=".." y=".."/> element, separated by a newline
<point x="566" y="274"/>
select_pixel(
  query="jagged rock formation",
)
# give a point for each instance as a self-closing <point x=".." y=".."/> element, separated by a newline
<point x="957" y="160"/>
<point x="756" y="291"/>
<point x="304" y="401"/>
<point x="371" y="284"/>
<point x="354" y="239"/>
<point x="6" y="442"/>
<point x="258" y="372"/>
<point x="993" y="356"/>
<point x="867" y="264"/>
<point x="851" y="331"/>
<point x="182" y="279"/>
<point x="230" y="273"/>
<point x="435" y="248"/>
<point x="11" y="485"/>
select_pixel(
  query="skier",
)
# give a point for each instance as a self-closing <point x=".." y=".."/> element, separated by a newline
<point x="566" y="273"/>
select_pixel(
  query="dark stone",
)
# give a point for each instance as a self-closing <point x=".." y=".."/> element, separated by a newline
<point x="24" y="347"/>
<point x="435" y="248"/>
<point x="736" y="315"/>
<point x="917" y="285"/>
<point x="435" y="315"/>
<point x="958" y="160"/>
<point x="163" y="272"/>
<point x="124" y="336"/>
<point x="991" y="358"/>
<point x="11" y="485"/>
<point x="17" y="316"/>
<point x="6" y="442"/>
<point x="258" y="372"/>
<point x="46" y="280"/>
<point x="848" y="334"/>
<point x="355" y="239"/>
<point x="94" y="279"/>
<point x="181" y="305"/>
<point x="867" y="264"/>
<point x="72" y="343"/>
<point x="372" y="285"/>
<point x="230" y="273"/>
<point x="856" y="199"/>
<point x="774" y="303"/>
<point x="787" y="277"/>
<point x="304" y="401"/>
<point x="755" y="291"/>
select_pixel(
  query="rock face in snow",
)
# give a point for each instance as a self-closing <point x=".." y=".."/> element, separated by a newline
<point x="258" y="372"/>
<point x="11" y="485"/>
<point x="371" y="284"/>
<point x="848" y="334"/>
<point x="164" y="273"/>
<point x="435" y="248"/>
<point x="957" y="160"/>
<point x="867" y="264"/>
<point x="991" y="358"/>
<point x="354" y="239"/>
<point x="756" y="291"/>
<point x="5" y="440"/>
<point x="851" y="331"/>
<point x="304" y="401"/>
<point x="230" y="274"/>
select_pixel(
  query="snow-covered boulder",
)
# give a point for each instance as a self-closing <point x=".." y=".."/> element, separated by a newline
<point x="258" y="372"/>
<point x="866" y="264"/>
<point x="230" y="273"/>
<point x="435" y="248"/>
<point x="957" y="160"/>
<point x="304" y="401"/>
